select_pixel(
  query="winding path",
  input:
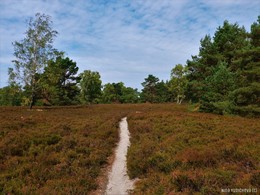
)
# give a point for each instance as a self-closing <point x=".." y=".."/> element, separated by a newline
<point x="118" y="180"/>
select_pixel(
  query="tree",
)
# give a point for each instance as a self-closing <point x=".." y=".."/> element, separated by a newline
<point x="246" y="96"/>
<point x="228" y="39"/>
<point x="129" y="95"/>
<point x="162" y="92"/>
<point x="222" y="48"/>
<point x="224" y="77"/>
<point x="91" y="85"/>
<point x="59" y="83"/>
<point x="11" y="95"/>
<point x="112" y="92"/>
<point x="149" y="89"/>
<point x="178" y="83"/>
<point x="219" y="85"/>
<point x="200" y="67"/>
<point x="255" y="33"/>
<point x="33" y="52"/>
<point x="119" y="93"/>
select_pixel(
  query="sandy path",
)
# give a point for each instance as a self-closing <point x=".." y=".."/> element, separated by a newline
<point x="118" y="180"/>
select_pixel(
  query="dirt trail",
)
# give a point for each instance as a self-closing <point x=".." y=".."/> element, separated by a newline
<point x="118" y="180"/>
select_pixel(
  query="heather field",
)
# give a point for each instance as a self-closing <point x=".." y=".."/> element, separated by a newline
<point x="176" y="151"/>
<point x="62" y="150"/>
<point x="58" y="149"/>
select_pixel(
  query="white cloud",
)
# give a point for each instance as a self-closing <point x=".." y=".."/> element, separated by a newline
<point x="124" y="40"/>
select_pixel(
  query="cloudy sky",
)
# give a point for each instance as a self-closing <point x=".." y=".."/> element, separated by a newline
<point x="124" y="40"/>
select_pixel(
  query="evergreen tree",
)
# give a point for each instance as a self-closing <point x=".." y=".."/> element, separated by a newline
<point x="200" y="67"/>
<point x="247" y="96"/>
<point x="162" y="92"/>
<point x="149" y="91"/>
<point x="224" y="77"/>
<point x="219" y="85"/>
<point x="59" y="82"/>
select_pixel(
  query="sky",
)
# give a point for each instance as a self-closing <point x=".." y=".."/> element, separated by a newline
<point x="124" y="40"/>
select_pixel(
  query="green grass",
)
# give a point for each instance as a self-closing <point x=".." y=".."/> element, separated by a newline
<point x="61" y="150"/>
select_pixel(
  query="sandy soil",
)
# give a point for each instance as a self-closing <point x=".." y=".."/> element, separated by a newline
<point x="118" y="180"/>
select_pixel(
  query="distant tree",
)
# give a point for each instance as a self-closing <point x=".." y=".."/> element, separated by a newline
<point x="33" y="52"/>
<point x="11" y="95"/>
<point x="149" y="92"/>
<point x="162" y="92"/>
<point x="178" y="83"/>
<point x="59" y="82"/>
<point x="91" y="85"/>
<point x="108" y="93"/>
<point x="129" y="95"/>
<point x="119" y="93"/>
<point x="112" y="92"/>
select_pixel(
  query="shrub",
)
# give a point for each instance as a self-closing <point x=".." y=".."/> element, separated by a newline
<point x="53" y="139"/>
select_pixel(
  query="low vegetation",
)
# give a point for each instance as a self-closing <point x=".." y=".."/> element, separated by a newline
<point x="54" y="150"/>
<point x="57" y="149"/>
<point x="176" y="151"/>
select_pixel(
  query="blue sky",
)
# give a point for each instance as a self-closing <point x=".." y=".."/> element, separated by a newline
<point x="123" y="40"/>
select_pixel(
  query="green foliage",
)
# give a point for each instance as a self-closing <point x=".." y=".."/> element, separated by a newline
<point x="130" y="95"/>
<point x="149" y="89"/>
<point x="90" y="84"/>
<point x="162" y="92"/>
<point x="224" y="76"/>
<point x="33" y="53"/>
<point x="178" y="83"/>
<point x="228" y="39"/>
<point x="154" y="91"/>
<point x="11" y="95"/>
<point x="59" y="83"/>
<point x="118" y="93"/>
<point x="217" y="90"/>
<point x="246" y="95"/>
<point x="112" y="92"/>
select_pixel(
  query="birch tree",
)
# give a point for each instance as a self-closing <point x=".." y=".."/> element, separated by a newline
<point x="33" y="52"/>
<point x="178" y="83"/>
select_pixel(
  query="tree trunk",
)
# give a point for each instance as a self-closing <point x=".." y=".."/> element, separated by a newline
<point x="32" y="101"/>
<point x="179" y="99"/>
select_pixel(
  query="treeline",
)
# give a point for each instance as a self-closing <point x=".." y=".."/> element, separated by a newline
<point x="223" y="78"/>
<point x="60" y="84"/>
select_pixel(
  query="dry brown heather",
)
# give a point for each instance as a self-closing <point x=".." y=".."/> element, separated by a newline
<point x="54" y="150"/>
<point x="62" y="149"/>
<point x="176" y="151"/>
